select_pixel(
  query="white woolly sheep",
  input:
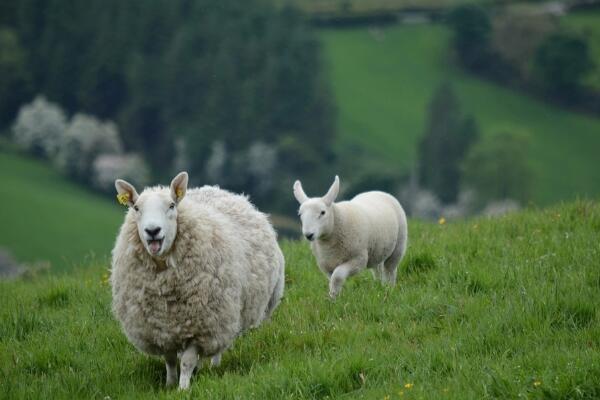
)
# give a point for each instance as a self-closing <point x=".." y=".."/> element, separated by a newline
<point x="191" y="270"/>
<point x="369" y="231"/>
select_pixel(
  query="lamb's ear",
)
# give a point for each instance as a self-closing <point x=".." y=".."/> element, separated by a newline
<point x="126" y="193"/>
<point x="299" y="192"/>
<point x="331" y="195"/>
<point x="179" y="186"/>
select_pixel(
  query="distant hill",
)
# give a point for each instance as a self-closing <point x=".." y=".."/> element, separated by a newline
<point x="44" y="217"/>
<point x="383" y="79"/>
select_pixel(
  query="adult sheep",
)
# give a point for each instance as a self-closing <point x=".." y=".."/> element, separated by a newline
<point x="346" y="237"/>
<point x="191" y="270"/>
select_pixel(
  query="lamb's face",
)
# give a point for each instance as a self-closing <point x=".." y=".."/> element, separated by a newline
<point x="156" y="217"/>
<point x="155" y="212"/>
<point x="316" y="214"/>
<point x="317" y="219"/>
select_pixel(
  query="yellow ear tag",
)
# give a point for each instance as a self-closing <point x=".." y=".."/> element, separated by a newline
<point x="179" y="193"/>
<point x="123" y="198"/>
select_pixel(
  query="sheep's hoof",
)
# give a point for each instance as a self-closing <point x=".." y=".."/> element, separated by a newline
<point x="171" y="381"/>
<point x="333" y="295"/>
<point x="215" y="361"/>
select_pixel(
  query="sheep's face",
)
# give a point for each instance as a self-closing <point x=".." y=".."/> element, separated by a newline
<point x="316" y="213"/>
<point x="155" y="213"/>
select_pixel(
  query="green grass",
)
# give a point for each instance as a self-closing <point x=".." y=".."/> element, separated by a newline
<point x="501" y="308"/>
<point x="45" y="217"/>
<point x="588" y="24"/>
<point x="383" y="83"/>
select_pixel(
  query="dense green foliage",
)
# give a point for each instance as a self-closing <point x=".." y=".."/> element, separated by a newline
<point x="503" y="308"/>
<point x="587" y="23"/>
<point x="45" y="218"/>
<point x="383" y="80"/>
<point x="471" y="28"/>
<point x="205" y="72"/>
<point x="561" y="62"/>
<point x="445" y="143"/>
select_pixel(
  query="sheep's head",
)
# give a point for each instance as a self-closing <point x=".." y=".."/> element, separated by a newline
<point x="155" y="212"/>
<point x="316" y="213"/>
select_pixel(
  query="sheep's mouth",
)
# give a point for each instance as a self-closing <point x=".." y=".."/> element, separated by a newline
<point x="155" y="245"/>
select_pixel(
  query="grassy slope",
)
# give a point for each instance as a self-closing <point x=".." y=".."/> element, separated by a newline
<point x="501" y="308"/>
<point x="44" y="217"/>
<point x="588" y="23"/>
<point x="383" y="88"/>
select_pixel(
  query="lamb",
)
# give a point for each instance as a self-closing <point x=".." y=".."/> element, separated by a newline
<point x="346" y="237"/>
<point x="192" y="270"/>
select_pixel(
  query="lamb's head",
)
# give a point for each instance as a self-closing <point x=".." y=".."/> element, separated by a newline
<point x="155" y="212"/>
<point x="316" y="213"/>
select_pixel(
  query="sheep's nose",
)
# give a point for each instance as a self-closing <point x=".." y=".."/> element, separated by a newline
<point x="152" y="232"/>
<point x="310" y="236"/>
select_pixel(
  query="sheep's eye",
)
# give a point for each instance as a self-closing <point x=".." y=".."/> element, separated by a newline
<point x="136" y="208"/>
<point x="172" y="206"/>
<point x="322" y="213"/>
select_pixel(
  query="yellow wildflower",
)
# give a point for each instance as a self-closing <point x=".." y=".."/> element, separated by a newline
<point x="409" y="385"/>
<point x="386" y="397"/>
<point x="123" y="198"/>
<point x="442" y="221"/>
<point x="537" y="383"/>
<point x="401" y="393"/>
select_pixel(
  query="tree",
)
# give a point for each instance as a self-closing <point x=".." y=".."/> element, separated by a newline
<point x="40" y="128"/>
<point x="471" y="36"/>
<point x="497" y="168"/>
<point x="516" y="37"/>
<point x="448" y="137"/>
<point x="561" y="62"/>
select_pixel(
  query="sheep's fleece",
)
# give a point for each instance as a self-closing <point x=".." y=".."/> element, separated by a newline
<point x="223" y="275"/>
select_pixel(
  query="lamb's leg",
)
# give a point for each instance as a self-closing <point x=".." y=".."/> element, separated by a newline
<point x="171" y="363"/>
<point x="341" y="273"/>
<point x="215" y="361"/>
<point x="189" y="360"/>
<point x="390" y="266"/>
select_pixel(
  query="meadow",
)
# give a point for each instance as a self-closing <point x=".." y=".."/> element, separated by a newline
<point x="483" y="309"/>
<point x="384" y="78"/>
<point x="47" y="218"/>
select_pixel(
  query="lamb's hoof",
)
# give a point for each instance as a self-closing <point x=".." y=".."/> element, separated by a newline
<point x="333" y="295"/>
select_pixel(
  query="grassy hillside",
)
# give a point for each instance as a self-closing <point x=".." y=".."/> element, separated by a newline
<point x="384" y="79"/>
<point x="45" y="217"/>
<point x="501" y="309"/>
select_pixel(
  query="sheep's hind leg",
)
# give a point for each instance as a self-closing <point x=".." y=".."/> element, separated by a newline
<point x="171" y="363"/>
<point x="189" y="361"/>
<point x="377" y="272"/>
<point x="390" y="266"/>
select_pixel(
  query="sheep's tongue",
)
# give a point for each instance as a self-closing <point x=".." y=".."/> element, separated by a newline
<point x="154" y="246"/>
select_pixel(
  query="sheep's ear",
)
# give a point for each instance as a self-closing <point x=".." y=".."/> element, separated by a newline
<point x="331" y="195"/>
<point x="299" y="193"/>
<point x="126" y="193"/>
<point x="179" y="186"/>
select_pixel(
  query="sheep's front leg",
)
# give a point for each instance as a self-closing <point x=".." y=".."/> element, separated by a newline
<point x="341" y="273"/>
<point x="171" y="363"/>
<point x="189" y="360"/>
